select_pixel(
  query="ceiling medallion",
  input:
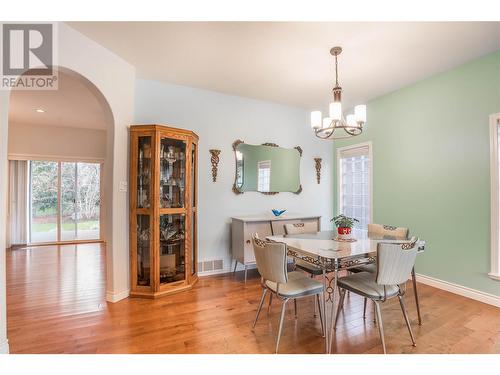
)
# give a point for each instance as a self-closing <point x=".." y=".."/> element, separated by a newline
<point x="335" y="126"/>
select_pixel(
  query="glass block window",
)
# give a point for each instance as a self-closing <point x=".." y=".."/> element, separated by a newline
<point x="355" y="184"/>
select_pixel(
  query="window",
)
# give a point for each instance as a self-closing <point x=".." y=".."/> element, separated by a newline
<point x="354" y="169"/>
<point x="264" y="175"/>
<point x="64" y="201"/>
<point x="495" y="202"/>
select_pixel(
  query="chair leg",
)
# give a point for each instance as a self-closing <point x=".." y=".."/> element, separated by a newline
<point x="246" y="269"/>
<point x="341" y="305"/>
<point x="270" y="302"/>
<point x="380" y="324"/>
<point x="405" y="314"/>
<point x="320" y="315"/>
<point x="364" y="308"/>
<point x="264" y="291"/>
<point x="283" y="308"/>
<point x="374" y="312"/>
<point x="347" y="293"/>
<point x="295" y="307"/>
<point x="314" y="303"/>
<point x="235" y="265"/>
<point x="414" y="281"/>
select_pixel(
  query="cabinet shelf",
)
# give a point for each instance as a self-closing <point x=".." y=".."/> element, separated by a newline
<point x="163" y="187"/>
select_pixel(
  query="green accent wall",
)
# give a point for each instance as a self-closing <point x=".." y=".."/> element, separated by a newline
<point x="431" y="168"/>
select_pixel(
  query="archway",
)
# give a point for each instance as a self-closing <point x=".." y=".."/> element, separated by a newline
<point x="74" y="122"/>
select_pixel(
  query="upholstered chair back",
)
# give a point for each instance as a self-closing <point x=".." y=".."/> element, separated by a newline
<point x="271" y="260"/>
<point x="387" y="230"/>
<point x="395" y="261"/>
<point x="300" y="228"/>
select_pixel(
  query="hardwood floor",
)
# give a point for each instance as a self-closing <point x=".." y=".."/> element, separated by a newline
<point x="56" y="304"/>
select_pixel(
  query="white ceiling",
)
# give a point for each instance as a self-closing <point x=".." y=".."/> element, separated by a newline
<point x="289" y="62"/>
<point x="76" y="103"/>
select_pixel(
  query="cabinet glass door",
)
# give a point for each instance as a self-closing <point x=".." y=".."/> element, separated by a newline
<point x="144" y="172"/>
<point x="172" y="173"/>
<point x="172" y="242"/>
<point x="143" y="252"/>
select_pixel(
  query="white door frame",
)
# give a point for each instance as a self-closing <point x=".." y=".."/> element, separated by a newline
<point x="495" y="199"/>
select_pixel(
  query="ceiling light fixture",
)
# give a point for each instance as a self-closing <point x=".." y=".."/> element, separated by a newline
<point x="352" y="125"/>
<point x="39" y="110"/>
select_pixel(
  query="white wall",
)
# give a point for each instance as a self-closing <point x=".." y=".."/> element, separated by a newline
<point x="220" y="119"/>
<point x="4" y="116"/>
<point x="115" y="79"/>
<point x="55" y="141"/>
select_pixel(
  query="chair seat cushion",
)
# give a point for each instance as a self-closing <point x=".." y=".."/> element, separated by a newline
<point x="298" y="285"/>
<point x="364" y="284"/>
<point x="372" y="268"/>
<point x="308" y="267"/>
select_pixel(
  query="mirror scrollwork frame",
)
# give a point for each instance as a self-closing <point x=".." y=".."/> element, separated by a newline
<point x="237" y="190"/>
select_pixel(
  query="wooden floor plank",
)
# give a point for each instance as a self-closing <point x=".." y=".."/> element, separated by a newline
<point x="56" y="304"/>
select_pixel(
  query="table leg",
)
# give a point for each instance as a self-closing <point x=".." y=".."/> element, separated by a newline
<point x="333" y="313"/>
<point x="324" y="315"/>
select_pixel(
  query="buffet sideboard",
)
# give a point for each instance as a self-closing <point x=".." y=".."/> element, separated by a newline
<point x="243" y="227"/>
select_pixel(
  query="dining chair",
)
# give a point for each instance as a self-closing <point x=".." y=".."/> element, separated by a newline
<point x="271" y="262"/>
<point x="312" y="270"/>
<point x="394" y="265"/>
<point x="304" y="228"/>
<point x="398" y="233"/>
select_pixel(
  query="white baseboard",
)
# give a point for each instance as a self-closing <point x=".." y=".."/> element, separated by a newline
<point x="477" y="295"/>
<point x="494" y="276"/>
<point x="115" y="297"/>
<point x="4" y="347"/>
<point x="216" y="272"/>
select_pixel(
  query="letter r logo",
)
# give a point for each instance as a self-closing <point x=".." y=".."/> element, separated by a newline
<point x="27" y="49"/>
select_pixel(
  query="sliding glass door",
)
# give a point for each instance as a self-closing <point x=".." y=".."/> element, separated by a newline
<point x="88" y="201"/>
<point x="43" y="190"/>
<point x="65" y="201"/>
<point x="68" y="202"/>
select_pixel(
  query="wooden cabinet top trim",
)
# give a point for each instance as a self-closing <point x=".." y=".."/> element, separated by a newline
<point x="159" y="127"/>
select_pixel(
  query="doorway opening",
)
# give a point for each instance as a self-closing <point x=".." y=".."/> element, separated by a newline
<point x="60" y="164"/>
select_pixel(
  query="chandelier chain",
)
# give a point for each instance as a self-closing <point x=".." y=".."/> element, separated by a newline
<point x="336" y="72"/>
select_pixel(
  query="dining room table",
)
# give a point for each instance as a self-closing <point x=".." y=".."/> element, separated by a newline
<point x="334" y="255"/>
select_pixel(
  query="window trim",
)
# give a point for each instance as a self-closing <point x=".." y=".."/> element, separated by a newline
<point x="339" y="175"/>
<point x="494" y="197"/>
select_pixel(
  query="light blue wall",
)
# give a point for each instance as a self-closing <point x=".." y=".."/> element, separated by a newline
<point x="219" y="120"/>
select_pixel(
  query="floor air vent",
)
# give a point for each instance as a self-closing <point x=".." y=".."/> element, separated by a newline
<point x="210" y="265"/>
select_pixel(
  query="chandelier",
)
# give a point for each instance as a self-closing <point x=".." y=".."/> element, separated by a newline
<point x="326" y="128"/>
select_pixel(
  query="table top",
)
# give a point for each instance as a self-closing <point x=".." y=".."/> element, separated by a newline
<point x="323" y="245"/>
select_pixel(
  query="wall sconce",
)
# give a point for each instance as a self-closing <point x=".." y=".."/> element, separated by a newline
<point x="215" y="162"/>
<point x="317" y="162"/>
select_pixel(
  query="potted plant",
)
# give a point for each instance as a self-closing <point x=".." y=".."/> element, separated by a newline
<point x="344" y="224"/>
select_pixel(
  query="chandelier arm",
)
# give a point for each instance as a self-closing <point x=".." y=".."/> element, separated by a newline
<point x="353" y="130"/>
<point x="327" y="135"/>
